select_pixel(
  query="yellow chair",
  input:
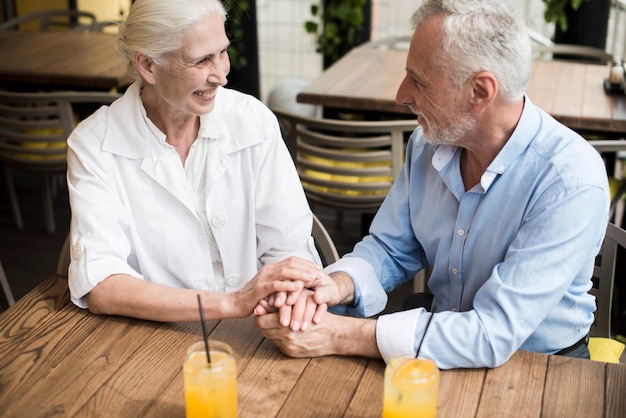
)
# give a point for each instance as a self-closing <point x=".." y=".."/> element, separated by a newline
<point x="345" y="164"/>
<point x="33" y="131"/>
<point x="602" y="346"/>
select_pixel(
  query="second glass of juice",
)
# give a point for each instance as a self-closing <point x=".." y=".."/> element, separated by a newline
<point x="210" y="389"/>
<point x="411" y="388"/>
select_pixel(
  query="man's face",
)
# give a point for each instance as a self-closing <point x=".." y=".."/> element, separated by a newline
<point x="441" y="108"/>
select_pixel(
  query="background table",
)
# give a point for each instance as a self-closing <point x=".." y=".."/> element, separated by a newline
<point x="54" y="60"/>
<point x="367" y="79"/>
<point x="56" y="359"/>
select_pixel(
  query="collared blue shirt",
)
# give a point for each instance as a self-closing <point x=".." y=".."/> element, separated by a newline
<point x="511" y="259"/>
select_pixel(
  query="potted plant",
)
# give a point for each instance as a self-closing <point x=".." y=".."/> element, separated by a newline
<point x="339" y="26"/>
<point x="579" y="22"/>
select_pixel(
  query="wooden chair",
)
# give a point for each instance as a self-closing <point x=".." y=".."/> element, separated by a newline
<point x="345" y="164"/>
<point x="51" y="19"/>
<point x="33" y="131"/>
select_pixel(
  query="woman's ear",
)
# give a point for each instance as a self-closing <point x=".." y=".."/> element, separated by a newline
<point x="146" y="67"/>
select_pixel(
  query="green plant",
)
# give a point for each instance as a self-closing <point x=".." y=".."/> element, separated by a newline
<point x="237" y="10"/>
<point x="339" y="28"/>
<point x="555" y="11"/>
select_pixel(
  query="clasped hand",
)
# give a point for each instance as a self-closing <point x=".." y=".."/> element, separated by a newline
<point x="298" y="309"/>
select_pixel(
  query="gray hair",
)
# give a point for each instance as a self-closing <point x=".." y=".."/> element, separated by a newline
<point x="484" y="35"/>
<point x="156" y="27"/>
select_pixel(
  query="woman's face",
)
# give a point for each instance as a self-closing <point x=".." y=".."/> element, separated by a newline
<point x="188" y="79"/>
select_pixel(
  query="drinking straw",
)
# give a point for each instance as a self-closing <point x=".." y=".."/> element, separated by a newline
<point x="419" y="347"/>
<point x="204" y="333"/>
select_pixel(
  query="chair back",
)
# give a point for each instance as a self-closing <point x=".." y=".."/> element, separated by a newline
<point x="345" y="164"/>
<point x="324" y="243"/>
<point x="50" y="19"/>
<point x="34" y="127"/>
<point x="618" y="185"/>
<point x="604" y="279"/>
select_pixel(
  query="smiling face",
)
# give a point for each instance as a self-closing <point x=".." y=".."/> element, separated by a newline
<point x="443" y="110"/>
<point x="186" y="81"/>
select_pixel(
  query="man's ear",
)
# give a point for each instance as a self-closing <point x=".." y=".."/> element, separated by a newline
<point x="484" y="89"/>
<point x="146" y="67"/>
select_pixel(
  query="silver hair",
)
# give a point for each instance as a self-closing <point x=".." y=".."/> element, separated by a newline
<point x="481" y="35"/>
<point x="156" y="27"/>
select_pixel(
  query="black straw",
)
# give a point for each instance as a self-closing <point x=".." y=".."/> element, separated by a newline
<point x="204" y="333"/>
<point x="419" y="347"/>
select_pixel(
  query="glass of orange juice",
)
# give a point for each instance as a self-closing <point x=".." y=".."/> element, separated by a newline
<point x="411" y="388"/>
<point x="210" y="389"/>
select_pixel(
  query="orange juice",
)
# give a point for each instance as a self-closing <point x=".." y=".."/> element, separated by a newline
<point x="210" y="390"/>
<point x="411" y="388"/>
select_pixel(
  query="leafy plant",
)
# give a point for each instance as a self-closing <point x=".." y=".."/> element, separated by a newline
<point x="339" y="28"/>
<point x="237" y="10"/>
<point x="555" y="11"/>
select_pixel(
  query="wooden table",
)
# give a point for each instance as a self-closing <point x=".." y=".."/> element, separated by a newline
<point x="33" y="60"/>
<point x="56" y="359"/>
<point x="367" y="79"/>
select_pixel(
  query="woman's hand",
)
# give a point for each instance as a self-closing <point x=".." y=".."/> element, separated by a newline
<point x="284" y="280"/>
<point x="297" y="310"/>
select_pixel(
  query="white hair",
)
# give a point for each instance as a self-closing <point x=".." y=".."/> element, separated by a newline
<point x="481" y="35"/>
<point x="156" y="27"/>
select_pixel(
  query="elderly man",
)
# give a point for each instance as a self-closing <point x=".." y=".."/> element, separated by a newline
<point x="506" y="205"/>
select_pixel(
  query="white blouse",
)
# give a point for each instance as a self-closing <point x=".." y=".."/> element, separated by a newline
<point x="236" y="205"/>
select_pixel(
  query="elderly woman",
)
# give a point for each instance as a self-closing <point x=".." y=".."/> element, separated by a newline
<point x="183" y="187"/>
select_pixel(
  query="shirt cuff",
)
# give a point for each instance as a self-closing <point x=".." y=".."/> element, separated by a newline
<point x="369" y="296"/>
<point x="395" y="333"/>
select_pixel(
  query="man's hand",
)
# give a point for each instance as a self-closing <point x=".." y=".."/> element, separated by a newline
<point x="334" y="334"/>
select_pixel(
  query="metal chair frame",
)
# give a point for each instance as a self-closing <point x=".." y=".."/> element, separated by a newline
<point x="324" y="243"/>
<point x="6" y="288"/>
<point x="604" y="279"/>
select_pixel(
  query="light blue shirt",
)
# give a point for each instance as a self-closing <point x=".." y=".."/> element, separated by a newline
<point x="511" y="259"/>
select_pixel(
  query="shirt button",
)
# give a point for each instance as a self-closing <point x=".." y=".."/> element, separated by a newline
<point x="77" y="251"/>
<point x="233" y="279"/>
<point x="219" y="220"/>
<point x="461" y="232"/>
<point x="455" y="271"/>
